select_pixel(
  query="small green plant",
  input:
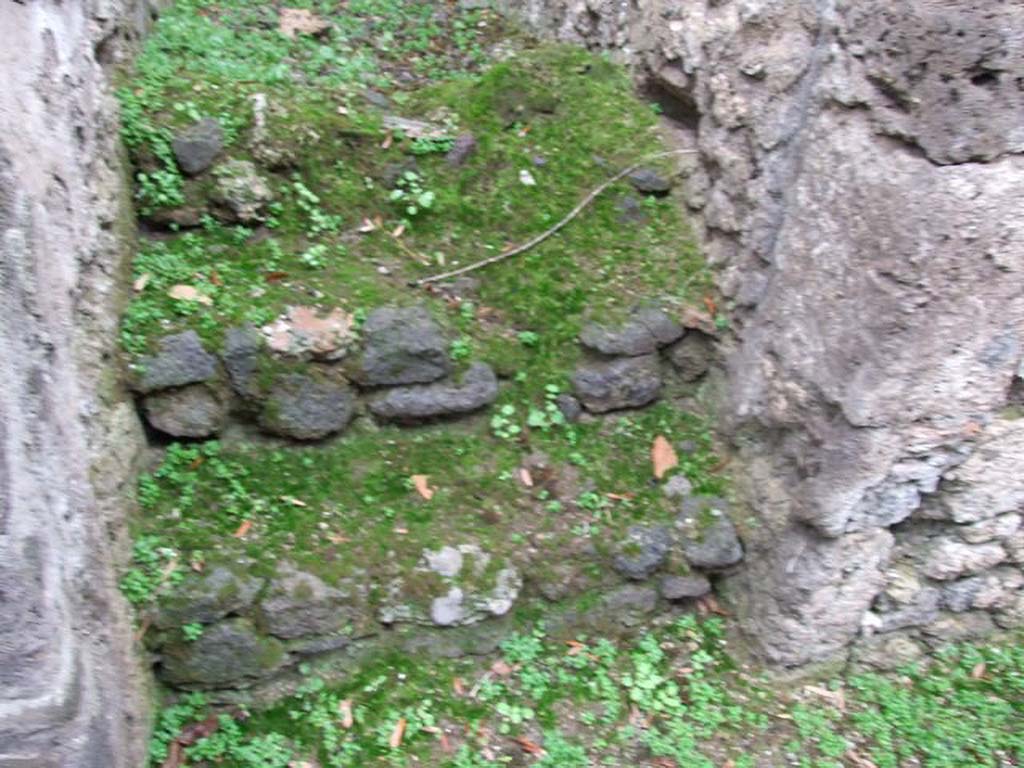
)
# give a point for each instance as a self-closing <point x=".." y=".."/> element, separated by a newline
<point x="154" y="564"/>
<point x="528" y="339"/>
<point x="431" y="145"/>
<point x="309" y="203"/>
<point x="503" y="423"/>
<point x="461" y="349"/>
<point x="411" y="195"/>
<point x="192" y="631"/>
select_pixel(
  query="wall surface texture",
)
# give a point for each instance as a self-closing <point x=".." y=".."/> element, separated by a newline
<point x="860" y="181"/>
<point x="70" y="693"/>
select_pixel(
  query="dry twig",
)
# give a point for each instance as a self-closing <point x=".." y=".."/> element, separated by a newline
<point x="549" y="232"/>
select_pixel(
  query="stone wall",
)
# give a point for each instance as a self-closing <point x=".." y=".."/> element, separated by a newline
<point x="859" y="184"/>
<point x="70" y="692"/>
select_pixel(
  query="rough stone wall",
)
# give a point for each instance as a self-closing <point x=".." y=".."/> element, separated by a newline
<point x="860" y="179"/>
<point x="70" y="693"/>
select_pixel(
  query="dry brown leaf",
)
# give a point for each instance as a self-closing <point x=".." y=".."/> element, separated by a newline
<point x="367" y="226"/>
<point x="388" y="140"/>
<point x="190" y="734"/>
<point x="859" y="760"/>
<point x="663" y="456"/>
<point x="396" y="735"/>
<point x="242" y="529"/>
<point x="398" y="231"/>
<point x="575" y="647"/>
<point x="458" y="686"/>
<point x="215" y="277"/>
<point x="294" y="21"/>
<point x="528" y="746"/>
<point x="422" y="485"/>
<point x="175" y="756"/>
<point x="345" y="710"/>
<point x="293" y="501"/>
<point x="621" y="496"/>
<point x="401" y="531"/>
<point x="275" y="277"/>
<point x="526" y="477"/>
<point x="188" y="293"/>
<point x="501" y="668"/>
<point x="141" y="282"/>
<point x="337" y="538"/>
<point x="979" y="671"/>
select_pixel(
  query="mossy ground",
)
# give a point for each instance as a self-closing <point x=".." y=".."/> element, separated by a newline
<point x="566" y="117"/>
<point x="671" y="698"/>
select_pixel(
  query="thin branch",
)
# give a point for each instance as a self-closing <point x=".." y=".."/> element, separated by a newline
<point x="549" y="232"/>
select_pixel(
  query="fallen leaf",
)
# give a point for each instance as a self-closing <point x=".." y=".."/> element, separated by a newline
<point x="401" y="531"/>
<point x="711" y="306"/>
<point x="294" y="21"/>
<point x="859" y="760"/>
<point x="836" y="697"/>
<point x="666" y="762"/>
<point x="621" y="496"/>
<point x="531" y="747"/>
<point x="398" y="231"/>
<point x="190" y="734"/>
<point x="188" y="293"/>
<point x="458" y="686"/>
<point x="342" y="110"/>
<point x="575" y="647"/>
<point x="242" y="529"/>
<point x="141" y="282"/>
<point x="396" y="735"/>
<point x="337" y="538"/>
<point x="501" y="668"/>
<point x="197" y="566"/>
<point x="196" y="462"/>
<point x="367" y="226"/>
<point x="143" y="629"/>
<point x="422" y="486"/>
<point x="979" y="671"/>
<point x="275" y="277"/>
<point x="345" y="710"/>
<point x="709" y="604"/>
<point x="175" y="756"/>
<point x="694" y="319"/>
<point x="526" y="477"/>
<point x="663" y="456"/>
<point x="215" y="277"/>
<point x="293" y="501"/>
<point x="388" y="141"/>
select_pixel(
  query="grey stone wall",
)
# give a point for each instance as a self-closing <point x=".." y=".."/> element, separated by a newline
<point x="859" y="183"/>
<point x="70" y="691"/>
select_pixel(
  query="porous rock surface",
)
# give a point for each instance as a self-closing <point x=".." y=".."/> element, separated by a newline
<point x="403" y="345"/>
<point x="70" y="689"/>
<point x="857" y="178"/>
<point x="477" y="389"/>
